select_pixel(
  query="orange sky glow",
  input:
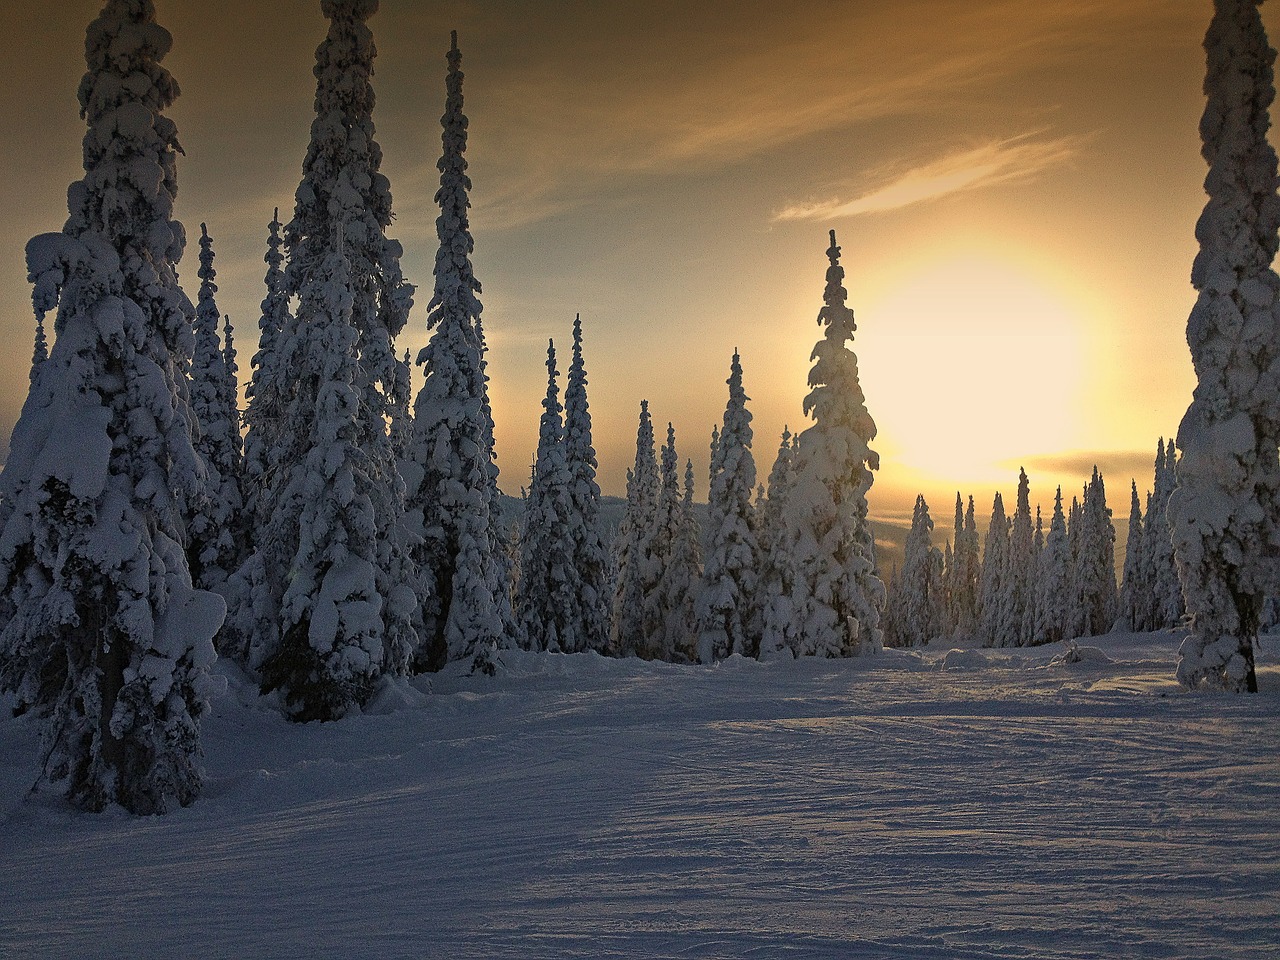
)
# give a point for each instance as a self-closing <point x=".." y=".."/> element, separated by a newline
<point x="1014" y="184"/>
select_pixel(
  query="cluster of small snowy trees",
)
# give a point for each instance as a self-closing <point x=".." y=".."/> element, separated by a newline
<point x="1027" y="587"/>
<point x="563" y="590"/>
<point x="789" y="572"/>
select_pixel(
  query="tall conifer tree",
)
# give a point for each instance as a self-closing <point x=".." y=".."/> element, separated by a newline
<point x="331" y="647"/>
<point x="590" y="557"/>
<point x="636" y="563"/>
<point x="668" y="601"/>
<point x="1019" y="587"/>
<point x="918" y="599"/>
<point x="549" y="593"/>
<point x="966" y="597"/>
<point x="1167" y="606"/>
<point x="1096" y="560"/>
<point x="1225" y="513"/>
<point x="453" y="481"/>
<point x="779" y="629"/>
<point x="680" y="580"/>
<point x="270" y="385"/>
<point x="837" y="595"/>
<point x="996" y="627"/>
<point x="341" y="214"/>
<point x="728" y="615"/>
<point x="215" y="545"/>
<point x="1075" y="625"/>
<point x="101" y="632"/>
<point x="1135" y="588"/>
<point x="1055" y="594"/>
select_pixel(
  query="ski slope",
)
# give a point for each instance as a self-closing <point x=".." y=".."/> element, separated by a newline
<point x="923" y="804"/>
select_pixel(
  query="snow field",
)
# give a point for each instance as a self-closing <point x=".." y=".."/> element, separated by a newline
<point x="967" y="804"/>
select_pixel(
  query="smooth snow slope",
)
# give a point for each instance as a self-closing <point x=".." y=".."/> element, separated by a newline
<point x="969" y="804"/>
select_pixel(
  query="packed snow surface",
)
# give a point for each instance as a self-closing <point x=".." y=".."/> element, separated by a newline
<point x="917" y="804"/>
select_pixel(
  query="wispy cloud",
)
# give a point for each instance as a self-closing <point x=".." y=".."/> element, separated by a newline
<point x="1016" y="159"/>
<point x="1119" y="466"/>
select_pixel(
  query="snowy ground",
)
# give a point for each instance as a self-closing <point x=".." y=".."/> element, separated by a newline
<point x="969" y="804"/>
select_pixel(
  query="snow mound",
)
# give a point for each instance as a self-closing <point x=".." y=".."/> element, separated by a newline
<point x="963" y="660"/>
<point x="1074" y="653"/>
<point x="394" y="694"/>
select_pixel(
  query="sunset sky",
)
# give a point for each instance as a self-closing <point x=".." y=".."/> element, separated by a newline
<point x="1015" y="185"/>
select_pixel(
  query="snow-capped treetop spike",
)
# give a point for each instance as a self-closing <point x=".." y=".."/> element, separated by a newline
<point x="358" y="9"/>
<point x="833" y="252"/>
<point x="453" y="41"/>
<point x="206" y="273"/>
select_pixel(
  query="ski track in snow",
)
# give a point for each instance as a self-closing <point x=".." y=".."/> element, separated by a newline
<point x="578" y="807"/>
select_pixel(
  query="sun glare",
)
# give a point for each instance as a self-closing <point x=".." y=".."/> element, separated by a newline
<point x="971" y="363"/>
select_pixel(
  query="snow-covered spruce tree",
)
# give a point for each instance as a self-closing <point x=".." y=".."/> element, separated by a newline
<point x="966" y="583"/>
<point x="636" y="565"/>
<point x="1155" y="527"/>
<point x="1096" y="562"/>
<point x="1146" y="603"/>
<point x="451" y="478"/>
<point x="995" y="627"/>
<point x="252" y="624"/>
<point x="216" y="544"/>
<point x="1225" y="512"/>
<point x="1055" y="591"/>
<point x="681" y="578"/>
<point x="402" y="408"/>
<point x="1167" y="606"/>
<point x="776" y="584"/>
<point x="919" y="586"/>
<point x="1135" y="589"/>
<point x="945" y="626"/>
<point x="270" y="386"/>
<point x="1037" y="551"/>
<point x="1018" y="595"/>
<point x="668" y="607"/>
<point x="330" y="652"/>
<point x="1075" y="534"/>
<point x="231" y="401"/>
<point x="503" y="534"/>
<point x="101" y="632"/>
<point x="549" y="593"/>
<point x="342" y="209"/>
<point x="837" y="596"/>
<point x="728" y="615"/>
<point x="590" y="558"/>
